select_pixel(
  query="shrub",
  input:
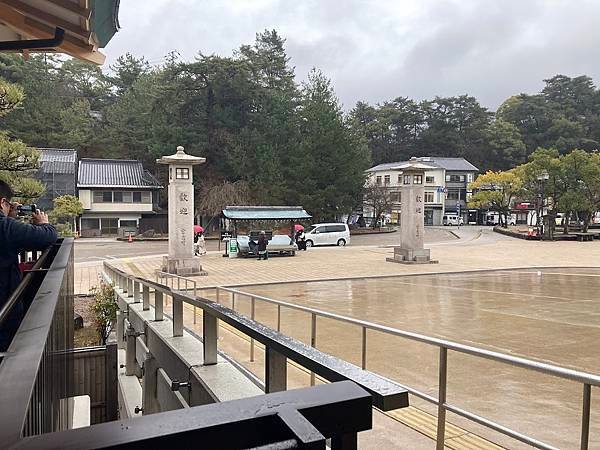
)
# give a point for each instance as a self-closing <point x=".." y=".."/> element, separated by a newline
<point x="105" y="309"/>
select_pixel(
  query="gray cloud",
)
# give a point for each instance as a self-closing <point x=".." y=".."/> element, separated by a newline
<point x="379" y="50"/>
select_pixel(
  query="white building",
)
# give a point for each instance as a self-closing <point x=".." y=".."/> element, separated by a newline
<point x="446" y="188"/>
<point x="115" y="194"/>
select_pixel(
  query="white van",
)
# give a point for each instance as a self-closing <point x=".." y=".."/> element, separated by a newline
<point x="452" y="219"/>
<point x="327" y="234"/>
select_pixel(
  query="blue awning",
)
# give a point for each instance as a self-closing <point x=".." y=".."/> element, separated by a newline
<point x="265" y="213"/>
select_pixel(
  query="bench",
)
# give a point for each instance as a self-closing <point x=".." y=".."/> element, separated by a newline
<point x="581" y="237"/>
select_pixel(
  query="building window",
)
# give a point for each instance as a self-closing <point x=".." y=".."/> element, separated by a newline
<point x="103" y="197"/>
<point x="386" y="180"/>
<point x="469" y="177"/>
<point x="118" y="197"/>
<point x="418" y="179"/>
<point x="90" y="224"/>
<point x="127" y="197"/>
<point x="453" y="194"/>
<point x="146" y="197"/>
<point x="429" y="180"/>
<point x="137" y="197"/>
<point x="109" y="226"/>
<point x="128" y="223"/>
<point x="181" y="173"/>
<point x="455" y="178"/>
<point x="378" y="180"/>
<point x="429" y="197"/>
<point x="399" y="178"/>
<point x="406" y="179"/>
<point x="395" y="197"/>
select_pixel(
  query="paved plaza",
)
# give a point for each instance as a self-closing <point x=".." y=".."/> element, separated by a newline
<point x="546" y="314"/>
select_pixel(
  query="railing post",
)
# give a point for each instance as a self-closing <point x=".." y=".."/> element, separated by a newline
<point x="275" y="371"/>
<point x="158" y="305"/>
<point x="130" y="352"/>
<point x="217" y="293"/>
<point x="364" y="348"/>
<point x="442" y="380"/>
<point x="585" y="416"/>
<point x="177" y="316"/>
<point x="120" y="329"/>
<point x="209" y="338"/>
<point x="313" y="341"/>
<point x="149" y="400"/>
<point x="136" y="292"/>
<point x="129" y="287"/>
<point x="124" y="284"/>
<point x="278" y="318"/>
<point x="146" y="297"/>
<point x="233" y="301"/>
<point x="195" y="295"/>
<point x="252" y="302"/>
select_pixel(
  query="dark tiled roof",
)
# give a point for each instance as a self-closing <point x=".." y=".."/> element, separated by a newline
<point x="460" y="164"/>
<point x="121" y="173"/>
<point x="57" y="160"/>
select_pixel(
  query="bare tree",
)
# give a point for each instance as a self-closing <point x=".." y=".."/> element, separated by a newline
<point x="214" y="198"/>
<point x="379" y="199"/>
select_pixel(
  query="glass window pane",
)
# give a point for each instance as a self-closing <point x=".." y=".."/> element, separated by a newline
<point x="118" y="197"/>
<point x="137" y="197"/>
<point x="107" y="196"/>
<point x="146" y="197"/>
<point x="97" y="196"/>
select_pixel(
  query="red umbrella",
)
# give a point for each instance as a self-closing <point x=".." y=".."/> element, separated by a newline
<point x="198" y="229"/>
<point x="298" y="227"/>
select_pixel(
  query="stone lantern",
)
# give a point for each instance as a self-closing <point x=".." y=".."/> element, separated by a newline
<point x="181" y="259"/>
<point x="412" y="214"/>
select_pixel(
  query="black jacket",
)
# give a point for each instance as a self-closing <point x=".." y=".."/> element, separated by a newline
<point x="16" y="236"/>
<point x="262" y="243"/>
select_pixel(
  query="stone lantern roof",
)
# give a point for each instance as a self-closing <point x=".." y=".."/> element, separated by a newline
<point x="181" y="157"/>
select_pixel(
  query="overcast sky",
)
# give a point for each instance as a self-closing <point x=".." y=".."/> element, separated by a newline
<point x="377" y="50"/>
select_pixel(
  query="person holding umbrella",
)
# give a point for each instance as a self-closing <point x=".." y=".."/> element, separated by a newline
<point x="199" y="242"/>
<point x="300" y="237"/>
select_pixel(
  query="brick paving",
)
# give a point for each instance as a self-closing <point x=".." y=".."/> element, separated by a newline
<point x="486" y="250"/>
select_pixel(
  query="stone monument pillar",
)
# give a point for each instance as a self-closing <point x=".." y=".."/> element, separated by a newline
<point x="412" y="215"/>
<point x="181" y="260"/>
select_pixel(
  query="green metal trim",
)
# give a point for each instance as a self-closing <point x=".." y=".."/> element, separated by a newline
<point x="105" y="20"/>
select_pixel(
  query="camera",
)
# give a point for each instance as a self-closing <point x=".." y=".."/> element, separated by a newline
<point x="26" y="210"/>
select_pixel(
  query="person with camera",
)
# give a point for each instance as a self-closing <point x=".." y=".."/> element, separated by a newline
<point x="15" y="237"/>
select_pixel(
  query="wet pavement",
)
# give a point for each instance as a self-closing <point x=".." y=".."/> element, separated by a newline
<point x="551" y="316"/>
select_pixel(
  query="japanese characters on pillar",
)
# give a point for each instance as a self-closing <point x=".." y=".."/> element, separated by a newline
<point x="181" y="213"/>
<point x="412" y="215"/>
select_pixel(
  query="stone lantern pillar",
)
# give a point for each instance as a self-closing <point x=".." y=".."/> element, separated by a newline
<point x="412" y="214"/>
<point x="181" y="260"/>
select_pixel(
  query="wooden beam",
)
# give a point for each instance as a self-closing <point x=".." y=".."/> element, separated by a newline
<point x="31" y="28"/>
<point x="85" y="13"/>
<point x="51" y="19"/>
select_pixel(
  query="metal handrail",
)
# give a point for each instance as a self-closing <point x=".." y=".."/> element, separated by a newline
<point x="22" y="287"/>
<point x="386" y="395"/>
<point x="587" y="379"/>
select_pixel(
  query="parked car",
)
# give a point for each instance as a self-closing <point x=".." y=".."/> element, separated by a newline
<point x="452" y="219"/>
<point x="328" y="234"/>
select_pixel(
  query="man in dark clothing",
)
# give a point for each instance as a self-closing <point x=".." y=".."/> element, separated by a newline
<point x="15" y="237"/>
<point x="262" y="246"/>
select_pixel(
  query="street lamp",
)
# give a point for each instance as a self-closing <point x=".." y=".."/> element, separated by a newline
<point x="542" y="178"/>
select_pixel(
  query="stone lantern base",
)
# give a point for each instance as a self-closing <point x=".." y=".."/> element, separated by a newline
<point x="182" y="266"/>
<point x="411" y="256"/>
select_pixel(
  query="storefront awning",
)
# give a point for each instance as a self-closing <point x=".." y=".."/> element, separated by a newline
<point x="265" y="213"/>
<point x="79" y="27"/>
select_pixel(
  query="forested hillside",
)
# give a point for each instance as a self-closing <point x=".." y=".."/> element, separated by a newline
<point x="280" y="141"/>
